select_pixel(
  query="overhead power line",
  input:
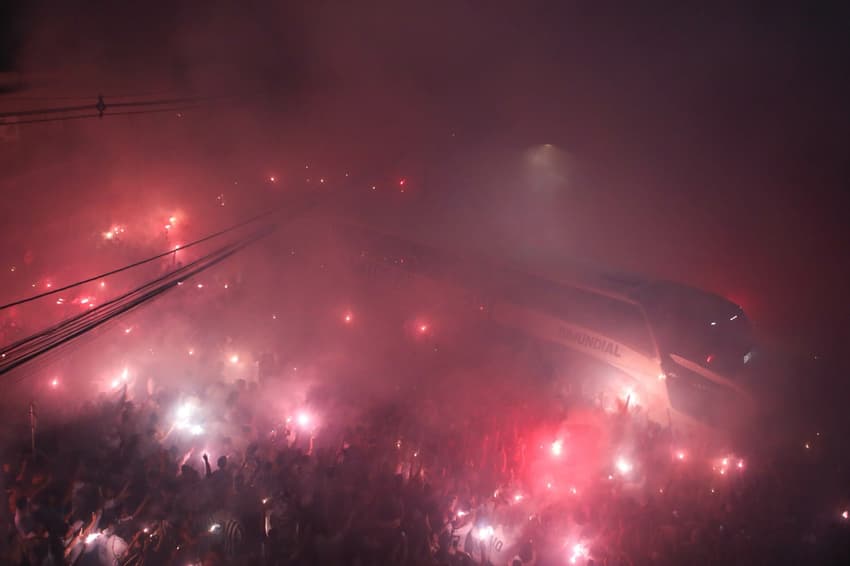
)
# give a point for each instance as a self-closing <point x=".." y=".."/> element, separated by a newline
<point x="100" y="105"/>
<point x="79" y="325"/>
<point x="86" y="116"/>
<point x="229" y="229"/>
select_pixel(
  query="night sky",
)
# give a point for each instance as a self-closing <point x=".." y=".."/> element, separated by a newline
<point x="707" y="145"/>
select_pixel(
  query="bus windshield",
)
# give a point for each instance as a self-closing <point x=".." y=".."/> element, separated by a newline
<point x="704" y="328"/>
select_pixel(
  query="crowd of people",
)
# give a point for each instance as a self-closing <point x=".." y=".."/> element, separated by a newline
<point x="126" y="483"/>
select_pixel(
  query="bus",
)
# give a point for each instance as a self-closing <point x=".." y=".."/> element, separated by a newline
<point x="678" y="353"/>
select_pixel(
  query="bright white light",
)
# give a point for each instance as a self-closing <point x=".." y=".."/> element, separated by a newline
<point x="518" y="497"/>
<point x="557" y="448"/>
<point x="662" y="376"/>
<point x="733" y="317"/>
<point x="845" y="514"/>
<point x="461" y="514"/>
<point x="303" y="420"/>
<point x="623" y="466"/>
<point x="548" y="485"/>
<point x="578" y="551"/>
<point x="740" y="464"/>
<point x="115" y="383"/>
<point x="484" y="533"/>
<point x="91" y="537"/>
<point x="347" y="318"/>
<point x="680" y="455"/>
<point x="191" y="352"/>
<point x="195" y="430"/>
<point x="214" y="527"/>
<point x="574" y="491"/>
<point x="234" y="359"/>
<point x="713" y="323"/>
<point x="185" y="411"/>
<point x="54" y="382"/>
<point x="630" y="396"/>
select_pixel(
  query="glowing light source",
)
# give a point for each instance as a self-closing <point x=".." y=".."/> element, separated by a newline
<point x="54" y="382"/>
<point x="680" y="455"/>
<point x="234" y="359"/>
<point x="461" y="514"/>
<point x="845" y="514"/>
<point x="623" y="466"/>
<point x="272" y="179"/>
<point x="579" y="550"/>
<point x="196" y="430"/>
<point x="185" y="411"/>
<point x="303" y="419"/>
<point x="347" y="318"/>
<point x="518" y="497"/>
<point x="630" y="397"/>
<point x="484" y="533"/>
<point x="557" y="448"/>
<point x="214" y="527"/>
<point x="91" y="537"/>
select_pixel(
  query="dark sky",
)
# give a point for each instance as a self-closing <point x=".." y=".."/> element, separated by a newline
<point x="707" y="144"/>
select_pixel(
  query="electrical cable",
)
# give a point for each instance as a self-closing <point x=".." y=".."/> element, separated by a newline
<point x="98" y="105"/>
<point x="105" y="114"/>
<point x="129" y="302"/>
<point x="143" y="261"/>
